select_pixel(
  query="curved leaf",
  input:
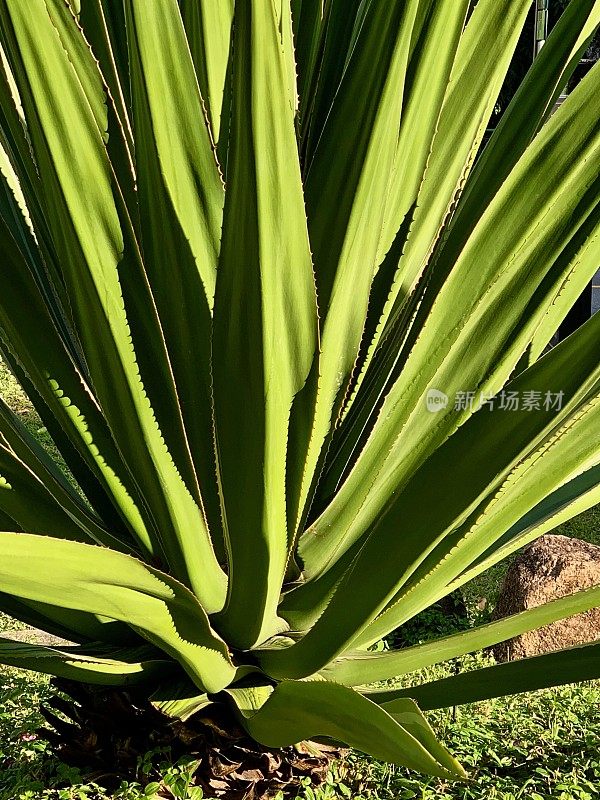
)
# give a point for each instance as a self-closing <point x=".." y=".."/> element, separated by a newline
<point x="179" y="699"/>
<point x="577" y="495"/>
<point x="21" y="452"/>
<point x="101" y="263"/>
<point x="80" y="627"/>
<point x="471" y="341"/>
<point x="265" y="326"/>
<point x="38" y="355"/>
<point x="358" y="669"/>
<point x="294" y="711"/>
<point x="426" y="511"/>
<point x="101" y="581"/>
<point x="539" y="672"/>
<point x="120" y="668"/>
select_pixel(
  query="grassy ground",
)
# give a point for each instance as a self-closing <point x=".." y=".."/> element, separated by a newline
<point x="14" y="396"/>
<point x="538" y="746"/>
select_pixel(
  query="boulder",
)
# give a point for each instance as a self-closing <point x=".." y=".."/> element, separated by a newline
<point x="549" y="568"/>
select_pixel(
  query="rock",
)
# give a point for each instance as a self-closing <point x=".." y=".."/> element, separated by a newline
<point x="549" y="568"/>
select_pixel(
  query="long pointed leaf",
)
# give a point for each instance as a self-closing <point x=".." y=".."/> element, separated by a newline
<point x="345" y="206"/>
<point x="294" y="711"/>
<point x="181" y="200"/>
<point x="356" y="669"/>
<point x="529" y="674"/>
<point x="208" y="26"/>
<point x="265" y="325"/>
<point x="75" y="664"/>
<point x="472" y="341"/>
<point x="417" y="511"/>
<point x="99" y="260"/>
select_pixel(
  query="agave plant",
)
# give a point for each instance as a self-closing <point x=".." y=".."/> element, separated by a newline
<point x="286" y="321"/>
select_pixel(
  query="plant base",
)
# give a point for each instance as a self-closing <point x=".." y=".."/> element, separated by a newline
<point x="106" y="732"/>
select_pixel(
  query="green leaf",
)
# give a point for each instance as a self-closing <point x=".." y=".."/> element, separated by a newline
<point x="539" y="672"/>
<point x="464" y="341"/>
<point x="208" y="27"/>
<point x="181" y="196"/>
<point x="265" y="325"/>
<point x="429" y="72"/>
<point x="338" y="21"/>
<point x="70" y="434"/>
<point x="565" y="452"/>
<point x="574" y="270"/>
<point x="239" y="254"/>
<point x="482" y="61"/>
<point x="309" y="21"/>
<point x="72" y="626"/>
<point x="574" y="497"/>
<point x="101" y="265"/>
<point x="20" y="204"/>
<point x="101" y="581"/>
<point x="14" y="206"/>
<point x="357" y="669"/>
<point x="40" y="477"/>
<point x="27" y="500"/>
<point x="497" y="441"/>
<point x="178" y="159"/>
<point x="102" y="94"/>
<point x="522" y="119"/>
<point x="294" y="711"/>
<point x="103" y="24"/>
<point x="119" y="668"/>
<point x="179" y="699"/>
<point x="286" y="33"/>
<point x="346" y="189"/>
<point x="38" y="355"/>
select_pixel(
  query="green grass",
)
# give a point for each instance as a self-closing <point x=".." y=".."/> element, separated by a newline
<point x="539" y="746"/>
